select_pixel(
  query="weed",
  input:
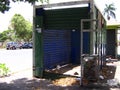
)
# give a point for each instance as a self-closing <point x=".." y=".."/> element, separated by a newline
<point x="4" y="70"/>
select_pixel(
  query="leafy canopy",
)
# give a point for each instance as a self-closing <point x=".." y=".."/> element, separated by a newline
<point x="109" y="11"/>
<point x="21" y="27"/>
<point x="18" y="30"/>
<point x="5" y="4"/>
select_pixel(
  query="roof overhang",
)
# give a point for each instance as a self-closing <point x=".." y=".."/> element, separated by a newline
<point x="70" y="3"/>
<point x="113" y="25"/>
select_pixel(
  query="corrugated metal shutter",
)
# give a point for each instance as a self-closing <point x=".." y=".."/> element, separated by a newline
<point x="66" y="19"/>
<point x="86" y="43"/>
<point x="75" y="46"/>
<point x="111" y="43"/>
<point x="75" y="50"/>
<point x="57" y="47"/>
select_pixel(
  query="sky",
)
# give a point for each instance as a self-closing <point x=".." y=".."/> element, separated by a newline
<point x="101" y="6"/>
<point x="26" y="10"/>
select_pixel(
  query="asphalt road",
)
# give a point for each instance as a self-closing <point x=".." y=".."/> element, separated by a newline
<point x="16" y="60"/>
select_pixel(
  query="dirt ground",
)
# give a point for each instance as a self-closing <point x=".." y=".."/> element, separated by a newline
<point x="23" y="80"/>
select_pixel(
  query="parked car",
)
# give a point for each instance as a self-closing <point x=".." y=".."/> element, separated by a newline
<point x="27" y="45"/>
<point x="13" y="45"/>
<point x="30" y="45"/>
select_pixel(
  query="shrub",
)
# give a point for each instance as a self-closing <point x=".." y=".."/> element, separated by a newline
<point x="4" y="70"/>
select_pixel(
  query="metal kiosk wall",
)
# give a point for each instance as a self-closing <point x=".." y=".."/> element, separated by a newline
<point x="92" y="62"/>
<point x="57" y="35"/>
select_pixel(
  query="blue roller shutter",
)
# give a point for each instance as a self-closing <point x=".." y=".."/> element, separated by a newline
<point x="57" y="47"/>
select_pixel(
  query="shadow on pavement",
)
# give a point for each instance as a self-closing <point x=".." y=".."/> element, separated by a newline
<point x="25" y="83"/>
<point x="45" y="84"/>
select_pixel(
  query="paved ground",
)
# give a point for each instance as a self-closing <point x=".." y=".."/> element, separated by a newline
<point x="16" y="60"/>
<point x="23" y="80"/>
<point x="117" y="74"/>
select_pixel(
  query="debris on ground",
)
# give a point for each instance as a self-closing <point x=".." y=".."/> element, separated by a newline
<point x="108" y="71"/>
<point x="68" y="81"/>
<point x="113" y="82"/>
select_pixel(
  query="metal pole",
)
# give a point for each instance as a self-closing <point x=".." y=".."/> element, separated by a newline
<point x="92" y="27"/>
<point x="33" y="68"/>
<point x="81" y="52"/>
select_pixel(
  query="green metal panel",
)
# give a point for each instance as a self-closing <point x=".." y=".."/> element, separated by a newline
<point x="112" y="27"/>
<point x="38" y="48"/>
<point x="65" y="18"/>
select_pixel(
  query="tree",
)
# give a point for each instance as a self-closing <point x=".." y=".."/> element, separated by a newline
<point x="5" y="4"/>
<point x="110" y="11"/>
<point x="21" y="27"/>
<point x="6" y="35"/>
<point x="28" y="36"/>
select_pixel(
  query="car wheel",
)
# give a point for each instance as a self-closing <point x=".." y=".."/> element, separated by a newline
<point x="13" y="48"/>
<point x="20" y="47"/>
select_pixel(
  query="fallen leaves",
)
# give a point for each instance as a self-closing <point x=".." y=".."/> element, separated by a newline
<point x="68" y="81"/>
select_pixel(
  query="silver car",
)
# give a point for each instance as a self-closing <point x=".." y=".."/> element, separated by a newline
<point x="13" y="46"/>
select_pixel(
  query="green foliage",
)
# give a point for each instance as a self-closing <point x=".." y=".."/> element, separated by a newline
<point x="21" y="27"/>
<point x="19" y="30"/>
<point x="5" y="4"/>
<point x="28" y="29"/>
<point x="4" y="70"/>
<point x="6" y="35"/>
<point x="31" y="1"/>
<point x="109" y="11"/>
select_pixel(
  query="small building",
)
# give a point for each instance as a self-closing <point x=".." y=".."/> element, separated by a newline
<point x="113" y="39"/>
<point x="64" y="32"/>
